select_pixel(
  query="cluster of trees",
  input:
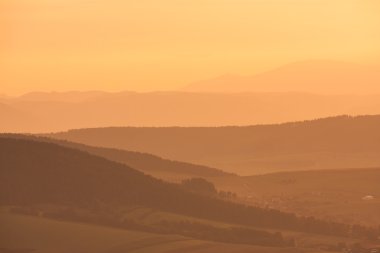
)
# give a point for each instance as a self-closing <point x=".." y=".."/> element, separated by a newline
<point x="204" y="187"/>
<point x="200" y="186"/>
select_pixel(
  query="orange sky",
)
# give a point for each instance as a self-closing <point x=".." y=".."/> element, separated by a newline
<point x="165" y="44"/>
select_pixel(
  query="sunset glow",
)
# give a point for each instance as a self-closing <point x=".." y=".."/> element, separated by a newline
<point x="145" y="45"/>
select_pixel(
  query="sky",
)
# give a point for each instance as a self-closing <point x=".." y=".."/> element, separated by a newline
<point x="146" y="45"/>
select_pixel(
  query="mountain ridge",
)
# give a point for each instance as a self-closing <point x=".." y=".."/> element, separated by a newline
<point x="315" y="76"/>
<point x="335" y="142"/>
<point x="178" y="109"/>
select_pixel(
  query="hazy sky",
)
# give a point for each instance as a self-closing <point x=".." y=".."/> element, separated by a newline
<point x="165" y="44"/>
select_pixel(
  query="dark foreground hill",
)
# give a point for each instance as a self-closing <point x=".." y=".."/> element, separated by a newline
<point x="34" y="172"/>
<point x="325" y="194"/>
<point x="39" y="173"/>
<point x="338" y="142"/>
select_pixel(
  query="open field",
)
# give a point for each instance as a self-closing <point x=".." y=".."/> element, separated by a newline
<point x="22" y="233"/>
<point x="151" y="218"/>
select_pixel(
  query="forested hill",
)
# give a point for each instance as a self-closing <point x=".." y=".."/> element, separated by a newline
<point x="34" y="172"/>
<point x="156" y="166"/>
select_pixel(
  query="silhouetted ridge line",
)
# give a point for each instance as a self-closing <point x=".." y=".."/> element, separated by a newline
<point x="62" y="111"/>
<point x="335" y="142"/>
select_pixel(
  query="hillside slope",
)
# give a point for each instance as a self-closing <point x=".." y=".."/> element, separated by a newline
<point x="49" y="180"/>
<point x="329" y="194"/>
<point x="158" y="167"/>
<point x="149" y="164"/>
<point x="323" y="193"/>
<point x="337" y="142"/>
<point x="40" y="173"/>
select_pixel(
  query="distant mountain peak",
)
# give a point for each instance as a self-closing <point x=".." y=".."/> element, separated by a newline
<point x="314" y="76"/>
